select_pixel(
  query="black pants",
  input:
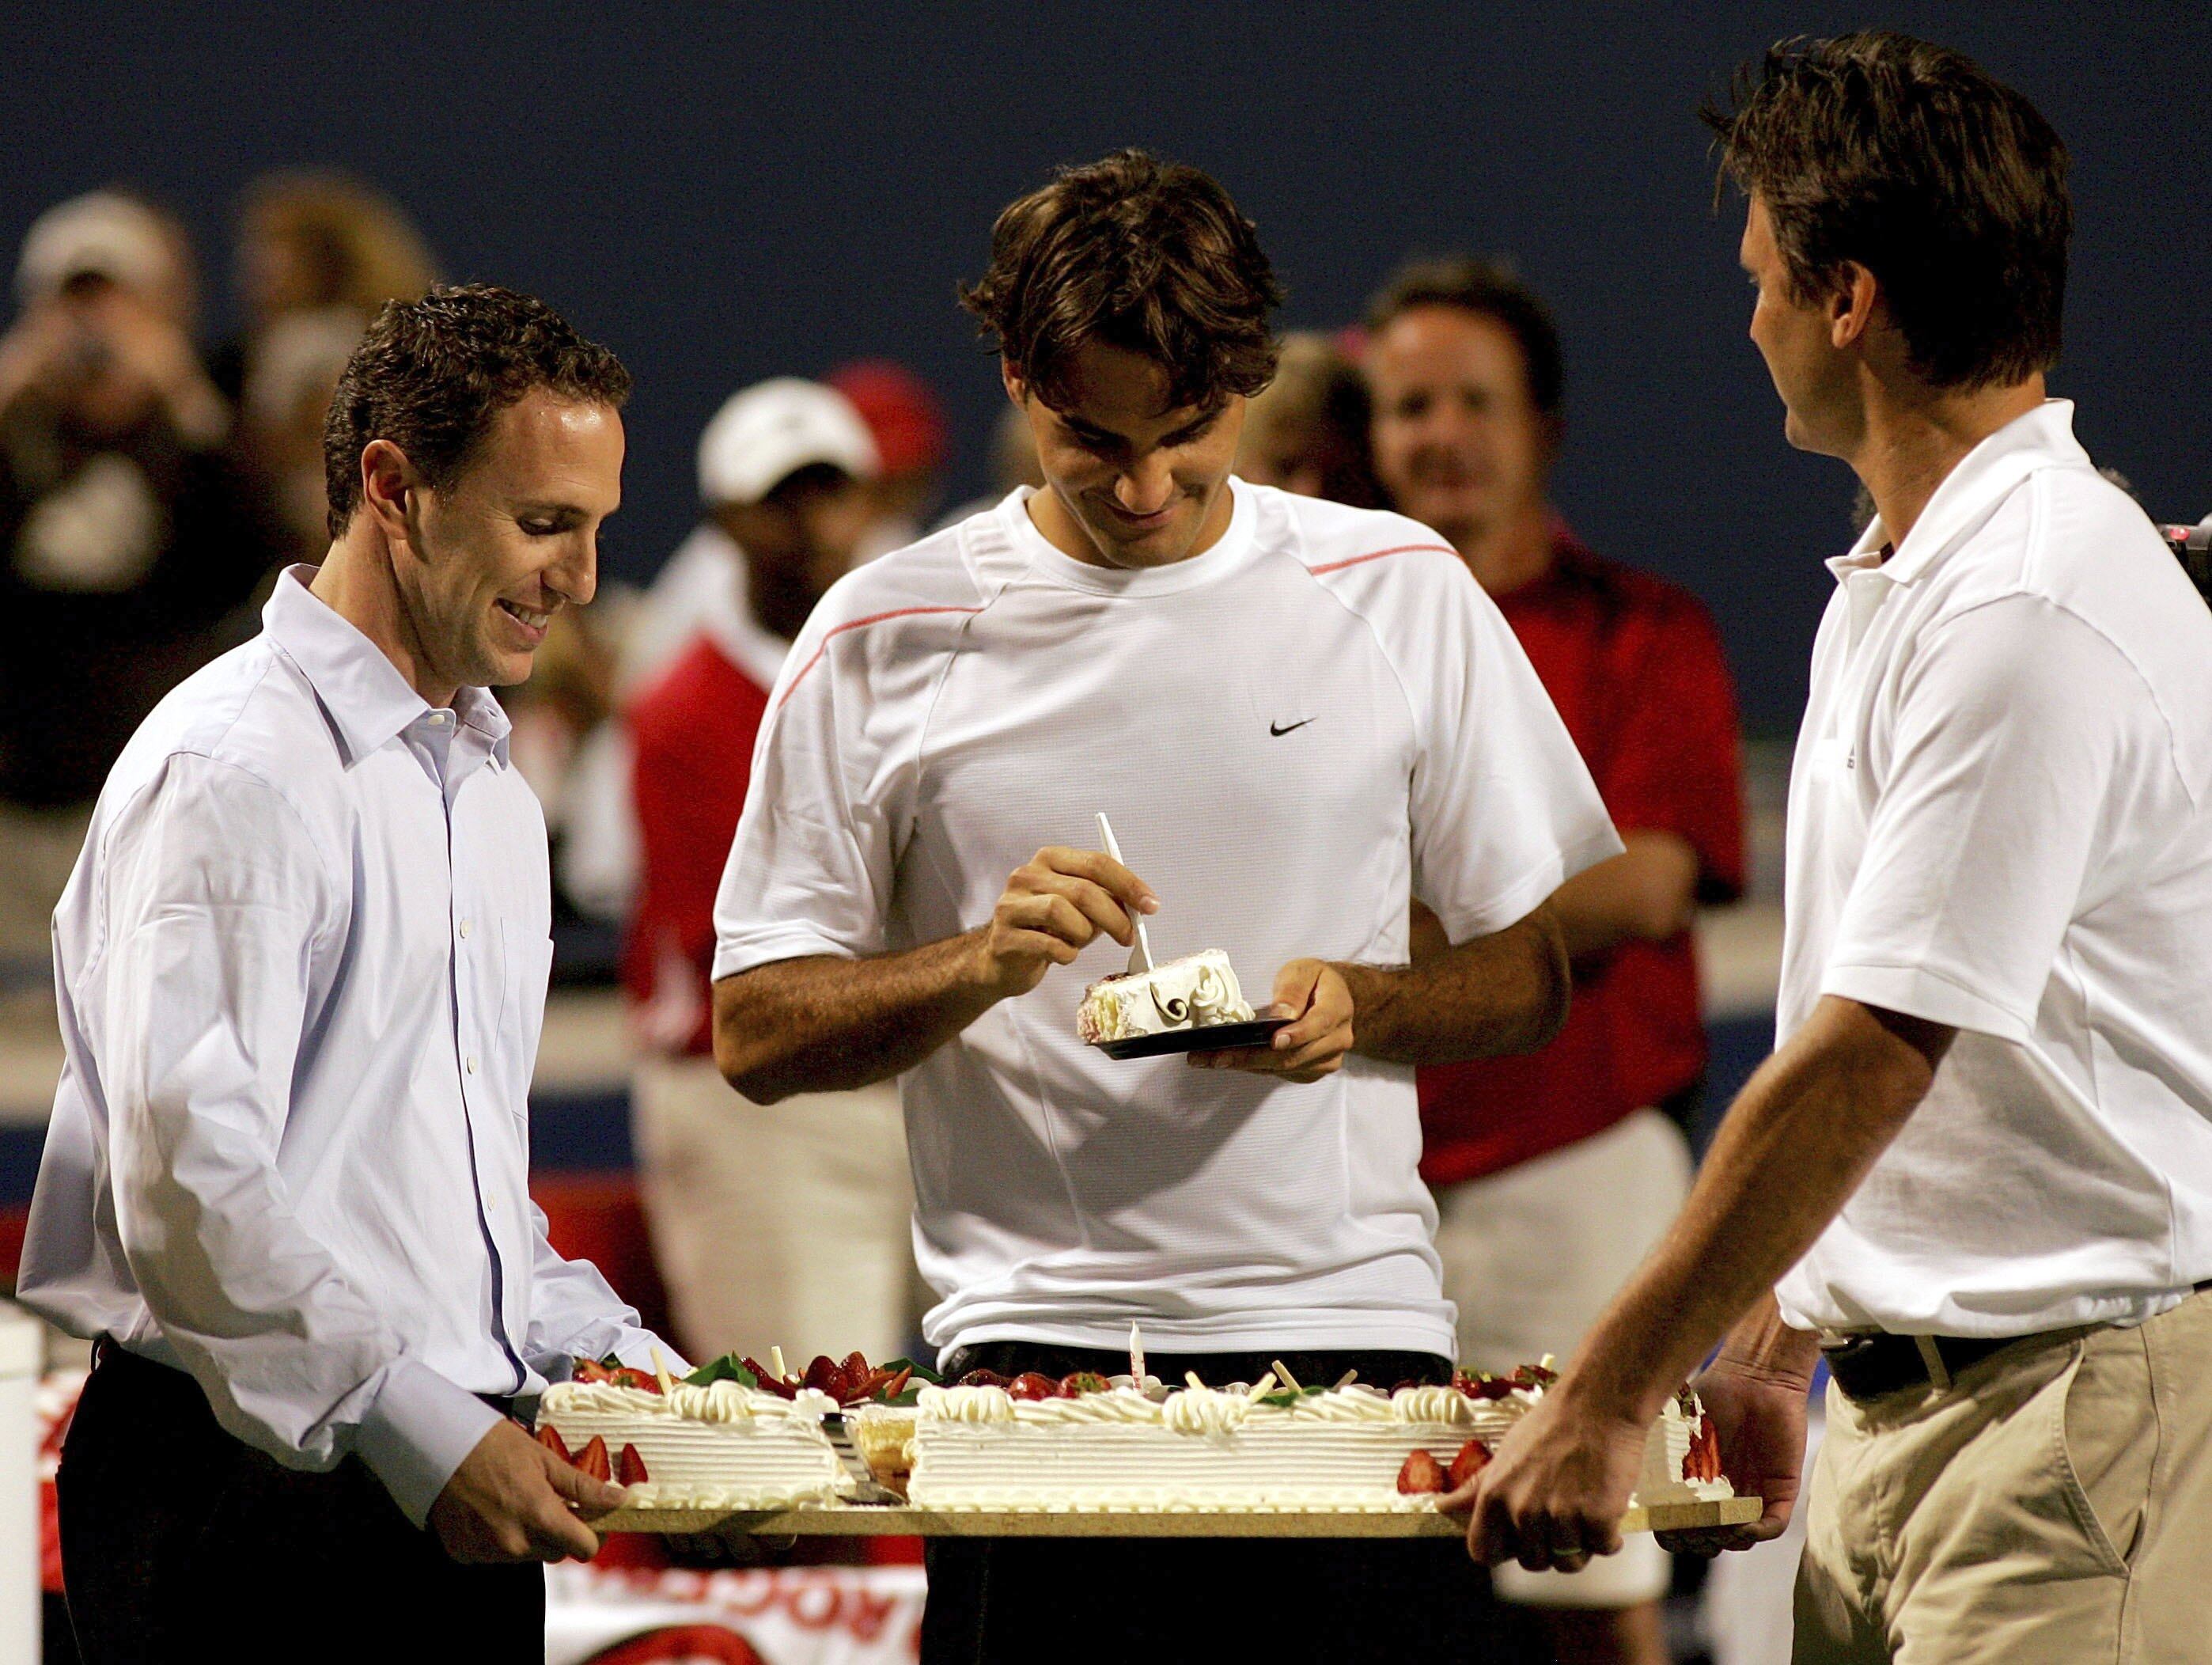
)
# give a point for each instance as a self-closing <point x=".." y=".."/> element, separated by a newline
<point x="180" y="1542"/>
<point x="1272" y="1600"/>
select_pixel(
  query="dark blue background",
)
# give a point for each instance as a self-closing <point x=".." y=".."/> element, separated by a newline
<point x="726" y="194"/>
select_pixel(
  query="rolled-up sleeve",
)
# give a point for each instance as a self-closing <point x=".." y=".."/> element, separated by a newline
<point x="214" y="893"/>
<point x="2024" y="750"/>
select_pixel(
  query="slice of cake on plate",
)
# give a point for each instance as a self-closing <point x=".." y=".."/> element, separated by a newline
<point x="1194" y="992"/>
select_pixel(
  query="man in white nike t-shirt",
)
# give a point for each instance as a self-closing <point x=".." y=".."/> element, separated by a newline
<point x="1298" y="716"/>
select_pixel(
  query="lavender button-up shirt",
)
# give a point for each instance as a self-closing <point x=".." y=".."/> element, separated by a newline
<point x="301" y="971"/>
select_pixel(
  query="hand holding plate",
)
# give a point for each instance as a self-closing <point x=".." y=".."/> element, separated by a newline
<point x="1314" y="995"/>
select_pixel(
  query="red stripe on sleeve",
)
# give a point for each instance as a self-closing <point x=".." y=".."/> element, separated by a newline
<point x="855" y="623"/>
<point x="1403" y="549"/>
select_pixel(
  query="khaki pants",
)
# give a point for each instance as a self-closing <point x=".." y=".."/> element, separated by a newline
<point x="780" y="1225"/>
<point x="2053" y="1506"/>
<point x="1531" y="1257"/>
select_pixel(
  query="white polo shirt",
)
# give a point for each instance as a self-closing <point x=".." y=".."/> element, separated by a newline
<point x="2001" y="819"/>
<point x="1293" y="732"/>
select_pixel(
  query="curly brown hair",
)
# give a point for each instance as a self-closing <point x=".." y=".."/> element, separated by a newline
<point x="1912" y="161"/>
<point x="1146" y="255"/>
<point x="432" y="374"/>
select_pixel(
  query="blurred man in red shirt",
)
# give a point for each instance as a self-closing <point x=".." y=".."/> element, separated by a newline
<point x="782" y="1225"/>
<point x="1555" y="1172"/>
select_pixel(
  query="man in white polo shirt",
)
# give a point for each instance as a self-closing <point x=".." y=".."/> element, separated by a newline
<point x="1980" y="1160"/>
<point x="1298" y="716"/>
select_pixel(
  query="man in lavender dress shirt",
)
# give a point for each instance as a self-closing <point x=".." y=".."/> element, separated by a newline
<point x="301" y="971"/>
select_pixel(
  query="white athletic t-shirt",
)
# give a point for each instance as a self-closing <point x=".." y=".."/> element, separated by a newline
<point x="1292" y="733"/>
<point x="2001" y="819"/>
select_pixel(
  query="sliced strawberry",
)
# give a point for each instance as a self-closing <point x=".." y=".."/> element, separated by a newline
<point x="981" y="1379"/>
<point x="590" y="1370"/>
<point x="823" y="1375"/>
<point x="1471" y="1459"/>
<point x="549" y="1437"/>
<point x="892" y="1386"/>
<point x="1703" y="1460"/>
<point x="592" y="1458"/>
<point x="629" y="1468"/>
<point x="1083" y="1381"/>
<point x="643" y="1380"/>
<point x="1419" y="1473"/>
<point x="1033" y="1385"/>
<point x="768" y="1381"/>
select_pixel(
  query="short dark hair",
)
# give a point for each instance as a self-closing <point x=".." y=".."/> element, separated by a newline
<point x="1146" y="255"/>
<point x="433" y="374"/>
<point x="1914" y="162"/>
<point x="1491" y="289"/>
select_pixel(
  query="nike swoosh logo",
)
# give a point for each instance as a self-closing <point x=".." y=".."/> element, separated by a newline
<point x="1280" y="733"/>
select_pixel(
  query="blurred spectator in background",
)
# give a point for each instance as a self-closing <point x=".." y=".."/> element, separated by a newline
<point x="318" y="253"/>
<point x="596" y="857"/>
<point x="317" y="240"/>
<point x="1556" y="1172"/>
<point x="1308" y="432"/>
<point x="295" y="367"/>
<point x="127" y="541"/>
<point x="782" y="1225"/>
<point x="1013" y="465"/>
<point x="913" y="442"/>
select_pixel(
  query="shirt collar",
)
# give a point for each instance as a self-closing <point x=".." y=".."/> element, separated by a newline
<point x="362" y="690"/>
<point x="2041" y="438"/>
<point x="1225" y="555"/>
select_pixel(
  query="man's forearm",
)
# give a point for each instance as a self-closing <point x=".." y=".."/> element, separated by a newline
<point x="1506" y="992"/>
<point x="1791" y="1151"/>
<point x="1647" y="893"/>
<point x="1763" y="1344"/>
<point x="825" y="1024"/>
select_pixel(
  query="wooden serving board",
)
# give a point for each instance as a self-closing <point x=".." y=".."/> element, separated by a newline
<point x="874" y="1519"/>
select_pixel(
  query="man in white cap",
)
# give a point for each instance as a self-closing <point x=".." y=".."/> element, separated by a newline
<point x="810" y="1200"/>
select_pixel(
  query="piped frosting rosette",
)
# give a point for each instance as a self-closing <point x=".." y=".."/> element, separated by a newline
<point x="1197" y="991"/>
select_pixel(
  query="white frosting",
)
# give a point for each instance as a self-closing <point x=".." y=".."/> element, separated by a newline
<point x="1194" y="992"/>
<point x="731" y="1448"/>
<point x="721" y="1446"/>
<point x="1222" y="1453"/>
<point x="1207" y="1448"/>
<point x="716" y="1402"/>
<point x="1665" y="1450"/>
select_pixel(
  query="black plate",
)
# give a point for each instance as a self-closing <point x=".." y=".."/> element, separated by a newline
<point x="1211" y="1039"/>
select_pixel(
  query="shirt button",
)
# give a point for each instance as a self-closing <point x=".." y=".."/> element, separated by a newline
<point x="471" y="1063"/>
<point x="439" y="719"/>
<point x="465" y="930"/>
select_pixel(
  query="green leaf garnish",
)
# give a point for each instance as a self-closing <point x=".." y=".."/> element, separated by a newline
<point x="724" y="1369"/>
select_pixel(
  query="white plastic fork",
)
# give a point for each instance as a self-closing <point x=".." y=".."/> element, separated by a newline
<point x="1140" y="956"/>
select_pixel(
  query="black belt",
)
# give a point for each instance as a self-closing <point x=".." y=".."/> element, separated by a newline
<point x="109" y="1354"/>
<point x="1869" y="1366"/>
